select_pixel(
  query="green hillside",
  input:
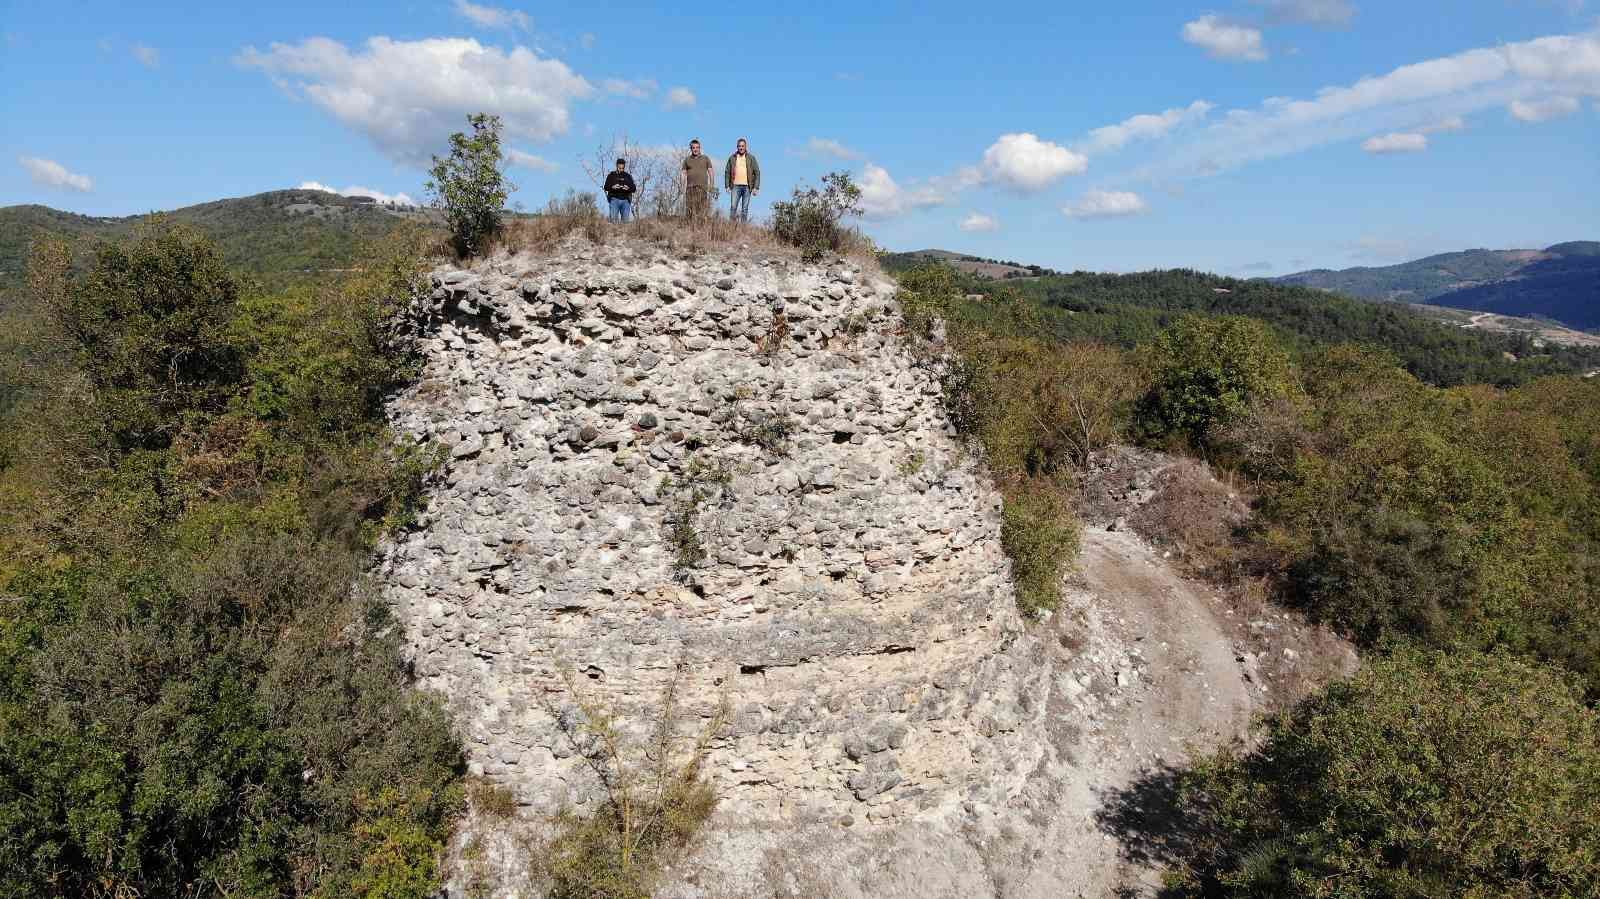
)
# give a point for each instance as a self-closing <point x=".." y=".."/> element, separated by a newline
<point x="1561" y="282"/>
<point x="278" y="237"/>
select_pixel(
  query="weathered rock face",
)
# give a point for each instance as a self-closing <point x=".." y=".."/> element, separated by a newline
<point x="852" y="611"/>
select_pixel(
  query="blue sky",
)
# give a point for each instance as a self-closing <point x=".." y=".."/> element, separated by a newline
<point x="1242" y="136"/>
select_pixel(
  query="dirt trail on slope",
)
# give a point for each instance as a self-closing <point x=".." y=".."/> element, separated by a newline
<point x="1159" y="672"/>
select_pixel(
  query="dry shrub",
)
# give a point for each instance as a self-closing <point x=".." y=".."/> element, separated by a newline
<point x="654" y="797"/>
<point x="491" y="800"/>
<point x="561" y="216"/>
<point x="1041" y="535"/>
<point x="1197" y="515"/>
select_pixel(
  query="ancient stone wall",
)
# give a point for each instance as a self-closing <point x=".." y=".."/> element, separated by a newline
<point x="852" y="610"/>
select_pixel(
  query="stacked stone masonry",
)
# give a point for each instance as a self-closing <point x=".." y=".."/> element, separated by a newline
<point x="853" y="612"/>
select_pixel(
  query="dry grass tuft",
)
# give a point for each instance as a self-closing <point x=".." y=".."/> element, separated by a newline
<point x="680" y="236"/>
<point x="1195" y="514"/>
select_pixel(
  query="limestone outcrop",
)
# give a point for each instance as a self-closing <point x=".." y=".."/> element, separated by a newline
<point x="728" y="466"/>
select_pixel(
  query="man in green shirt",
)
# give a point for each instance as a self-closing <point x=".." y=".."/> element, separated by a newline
<point x="697" y="182"/>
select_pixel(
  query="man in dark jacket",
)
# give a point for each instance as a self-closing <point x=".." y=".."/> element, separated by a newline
<point x="619" y="193"/>
<point x="742" y="177"/>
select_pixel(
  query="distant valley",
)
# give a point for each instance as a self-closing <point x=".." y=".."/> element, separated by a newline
<point x="1559" y="283"/>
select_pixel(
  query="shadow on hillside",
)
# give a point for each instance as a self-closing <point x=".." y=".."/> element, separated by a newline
<point x="1146" y="818"/>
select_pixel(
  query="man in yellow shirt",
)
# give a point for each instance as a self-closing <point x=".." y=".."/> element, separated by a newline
<point x="742" y="177"/>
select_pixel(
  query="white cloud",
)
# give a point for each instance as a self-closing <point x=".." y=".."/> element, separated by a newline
<point x="977" y="221"/>
<point x="1445" y="125"/>
<point x="1405" y="99"/>
<point x="821" y="146"/>
<point x="148" y="56"/>
<point x="1396" y="143"/>
<point x="1222" y="40"/>
<point x="1143" y="127"/>
<point x="358" y="191"/>
<point x="1097" y="204"/>
<point x="407" y="96"/>
<point x="1026" y="163"/>
<point x="680" y="97"/>
<point x="1544" y="110"/>
<point x="49" y="173"/>
<point x="643" y="89"/>
<point x="1308" y="12"/>
<point x="882" y="197"/>
<point x="493" y="16"/>
<point x="530" y="161"/>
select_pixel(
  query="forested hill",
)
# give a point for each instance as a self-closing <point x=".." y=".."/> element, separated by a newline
<point x="1561" y="282"/>
<point x="1131" y="309"/>
<point x="278" y="237"/>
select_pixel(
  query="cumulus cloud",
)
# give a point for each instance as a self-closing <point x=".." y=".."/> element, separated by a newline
<point x="818" y="147"/>
<point x="680" y="98"/>
<point x="1396" y="143"/>
<point x="1223" y="40"/>
<point x="1406" y="99"/>
<point x="1308" y="12"/>
<point x="1143" y="127"/>
<point x="493" y="16"/>
<point x="49" y="173"/>
<point x="1026" y="163"/>
<point x="148" y="56"/>
<point x="405" y="96"/>
<point x="1099" y="204"/>
<point x="400" y="199"/>
<point x="530" y="161"/>
<point x="883" y="197"/>
<point x="977" y="221"/>
<point x="1543" y="110"/>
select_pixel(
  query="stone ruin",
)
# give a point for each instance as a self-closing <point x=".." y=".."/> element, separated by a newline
<point x="852" y="612"/>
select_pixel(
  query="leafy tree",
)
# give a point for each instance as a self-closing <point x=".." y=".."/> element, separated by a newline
<point x="470" y="185"/>
<point x="150" y="327"/>
<point x="810" y="219"/>
<point x="1428" y="775"/>
<point x="1209" y="372"/>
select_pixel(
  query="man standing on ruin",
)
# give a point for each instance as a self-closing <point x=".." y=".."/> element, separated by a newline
<point x="619" y="190"/>
<point x="742" y="177"/>
<point x="697" y="182"/>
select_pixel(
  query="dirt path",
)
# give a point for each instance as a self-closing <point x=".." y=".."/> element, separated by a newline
<point x="1158" y="672"/>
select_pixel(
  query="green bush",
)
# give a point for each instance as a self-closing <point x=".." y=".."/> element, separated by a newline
<point x="149" y="324"/>
<point x="1427" y="775"/>
<point x="1040" y="533"/>
<point x="1208" y="372"/>
<point x="470" y="185"/>
<point x="810" y="218"/>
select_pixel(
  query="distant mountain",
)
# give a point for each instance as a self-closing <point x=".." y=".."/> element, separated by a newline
<point x="990" y="269"/>
<point x="1561" y="283"/>
<point x="279" y="237"/>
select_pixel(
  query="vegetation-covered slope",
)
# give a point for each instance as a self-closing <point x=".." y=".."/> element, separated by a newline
<point x="279" y="237"/>
<point x="1131" y="309"/>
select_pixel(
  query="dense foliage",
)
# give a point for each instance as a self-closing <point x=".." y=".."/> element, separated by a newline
<point x="470" y="185"/>
<point x="1427" y="775"/>
<point x="197" y="695"/>
<point x="1452" y="532"/>
<point x="1130" y="310"/>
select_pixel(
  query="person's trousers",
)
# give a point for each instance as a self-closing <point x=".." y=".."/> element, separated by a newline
<point x="621" y="210"/>
<point x="739" y="211"/>
<point x="699" y="202"/>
